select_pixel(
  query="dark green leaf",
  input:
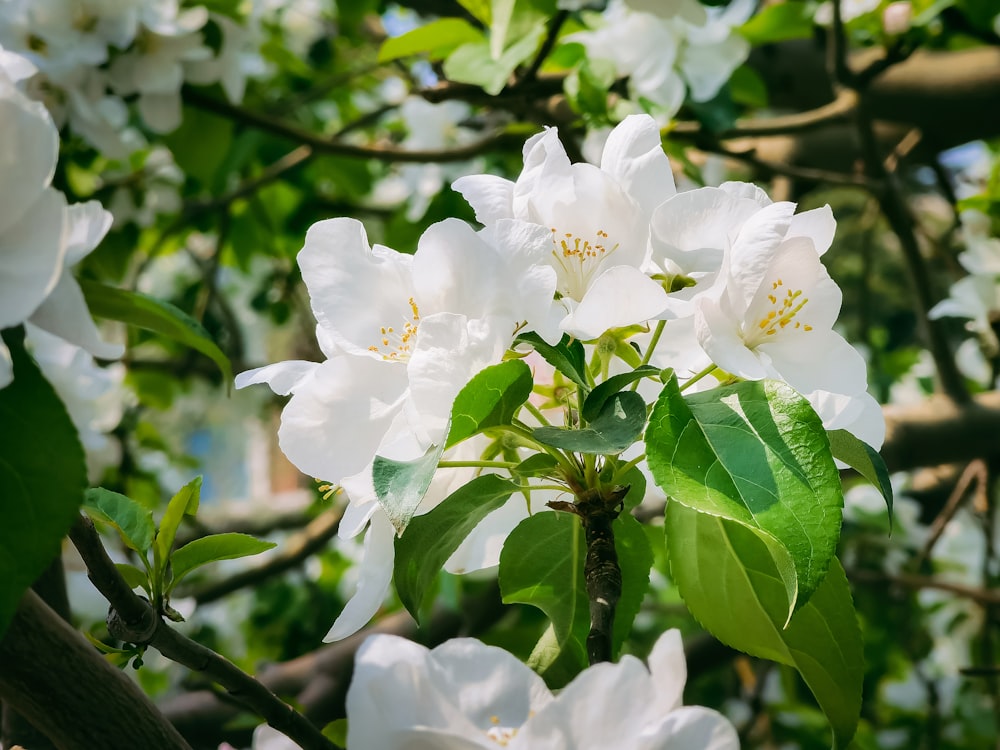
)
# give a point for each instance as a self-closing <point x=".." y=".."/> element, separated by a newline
<point x="756" y="453"/>
<point x="437" y="39"/>
<point x="747" y="87"/>
<point x="228" y="546"/>
<point x="42" y="477"/>
<point x="727" y="576"/>
<point x="431" y="538"/>
<point x="541" y="564"/>
<point x="143" y="311"/>
<point x="568" y="356"/>
<point x="491" y="398"/>
<point x="184" y="503"/>
<point x="863" y="459"/>
<point x="133" y="521"/>
<point x="616" y="427"/>
<point x="401" y="485"/>
<point x="597" y="398"/>
<point x="635" y="558"/>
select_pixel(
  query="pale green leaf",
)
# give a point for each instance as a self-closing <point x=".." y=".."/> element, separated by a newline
<point x="401" y="485"/>
<point x="436" y="39"/>
<point x="212" y="548"/>
<point x="491" y="398"/>
<point x="134" y="522"/>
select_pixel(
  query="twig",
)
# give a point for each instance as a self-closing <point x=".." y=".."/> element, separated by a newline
<point x="975" y="471"/>
<point x="299" y="548"/>
<point x="550" y="41"/>
<point x="773" y="168"/>
<point x="495" y="142"/>
<point x="836" y="62"/>
<point x="134" y="621"/>
<point x="985" y="597"/>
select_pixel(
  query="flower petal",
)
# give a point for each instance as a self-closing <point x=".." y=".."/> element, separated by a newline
<point x="490" y="197"/>
<point x="634" y="156"/>
<point x="65" y="314"/>
<point x="621" y="296"/>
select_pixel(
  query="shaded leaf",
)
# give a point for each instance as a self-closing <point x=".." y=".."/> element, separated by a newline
<point x="618" y="425"/>
<point x="863" y="459"/>
<point x="727" y="576"/>
<point x="42" y="477"/>
<point x="598" y="397"/>
<point x="568" y="356"/>
<point x="401" y="485"/>
<point x="432" y="537"/>
<point x="212" y="548"/>
<point x="185" y="502"/>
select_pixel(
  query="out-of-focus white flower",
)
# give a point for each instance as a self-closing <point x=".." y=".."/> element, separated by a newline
<point x="156" y="186"/>
<point x="670" y="50"/>
<point x="237" y="60"/>
<point x="897" y="17"/>
<point x="599" y="222"/>
<point x="40" y="236"/>
<point x="464" y="694"/>
<point x="93" y="395"/>
<point x="849" y="10"/>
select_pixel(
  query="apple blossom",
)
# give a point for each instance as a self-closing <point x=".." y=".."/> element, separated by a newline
<point x="464" y="694"/>
<point x="599" y="223"/>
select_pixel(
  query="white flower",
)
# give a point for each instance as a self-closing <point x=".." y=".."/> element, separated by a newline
<point x="238" y="58"/>
<point x="974" y="297"/>
<point x="40" y="236"/>
<point x="599" y="223"/>
<point x="670" y="49"/>
<point x="774" y="306"/>
<point x="403" y="334"/>
<point x="464" y="694"/>
<point x="93" y="395"/>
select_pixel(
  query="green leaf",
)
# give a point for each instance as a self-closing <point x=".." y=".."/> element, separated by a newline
<point x="568" y="356"/>
<point x="730" y="583"/>
<point x="431" y="538"/>
<point x="747" y="87"/>
<point x="228" y="546"/>
<point x="133" y="521"/>
<point x="401" y="485"/>
<point x="616" y="427"/>
<point x="491" y="398"/>
<point x="597" y="398"/>
<point x="185" y="502"/>
<point x="478" y="9"/>
<point x="135" y="578"/>
<point x="437" y="39"/>
<point x="756" y="453"/>
<point x="501" y="13"/>
<point x="200" y="145"/>
<point x="863" y="459"/>
<point x="635" y="558"/>
<point x="472" y="62"/>
<point x="42" y="477"/>
<point x="336" y="732"/>
<point x="541" y="564"/>
<point x="779" y="23"/>
<point x="146" y="312"/>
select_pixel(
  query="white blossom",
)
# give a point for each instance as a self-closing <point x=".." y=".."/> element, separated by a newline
<point x="464" y="694"/>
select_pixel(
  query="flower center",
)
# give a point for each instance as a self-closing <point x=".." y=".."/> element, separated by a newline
<point x="576" y="259"/>
<point x="500" y="735"/>
<point x="396" y="342"/>
<point x="784" y="305"/>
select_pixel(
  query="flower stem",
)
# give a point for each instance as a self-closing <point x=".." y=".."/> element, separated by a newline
<point x="657" y="332"/>
<point x="707" y="371"/>
<point x="477" y="464"/>
<point x="536" y="413"/>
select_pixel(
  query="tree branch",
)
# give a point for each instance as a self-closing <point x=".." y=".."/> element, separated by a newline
<point x="134" y="621"/>
<point x="50" y="675"/>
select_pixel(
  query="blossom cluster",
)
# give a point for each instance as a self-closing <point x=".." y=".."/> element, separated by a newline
<point x="708" y="280"/>
<point x="41" y="237"/>
<point x="92" y="54"/>
<point x="670" y="50"/>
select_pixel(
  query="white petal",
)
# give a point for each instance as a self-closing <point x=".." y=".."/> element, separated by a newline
<point x="748" y="191"/>
<point x="481" y="548"/>
<point x="755" y="246"/>
<point x="161" y="112"/>
<point x="33" y="252"/>
<point x="6" y="366"/>
<point x="634" y="156"/>
<point x="691" y="728"/>
<point x="65" y="314"/>
<point x="374" y="575"/>
<point x="668" y="667"/>
<point x="719" y="334"/>
<point x="817" y="360"/>
<point x="356" y="290"/>
<point x="490" y="197"/>
<point x="339" y="415"/>
<point x="282" y="377"/>
<point x="27" y="155"/>
<point x="818" y="225"/>
<point x="621" y="296"/>
<point x="87" y="223"/>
